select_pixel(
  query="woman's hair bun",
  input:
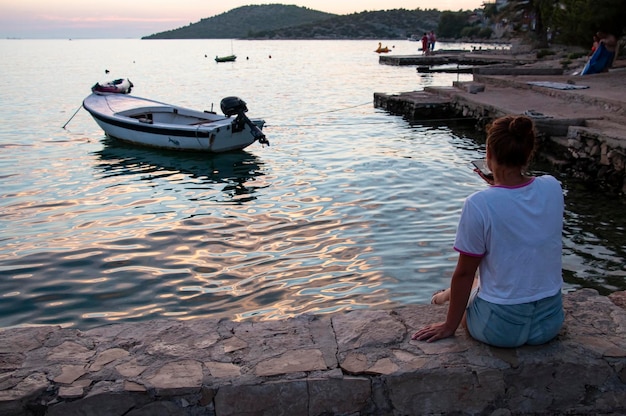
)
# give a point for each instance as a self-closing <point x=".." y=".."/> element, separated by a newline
<point x="521" y="126"/>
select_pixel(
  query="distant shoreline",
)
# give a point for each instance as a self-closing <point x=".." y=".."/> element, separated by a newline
<point x="464" y="40"/>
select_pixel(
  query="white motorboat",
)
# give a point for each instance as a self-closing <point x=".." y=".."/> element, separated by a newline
<point x="152" y="123"/>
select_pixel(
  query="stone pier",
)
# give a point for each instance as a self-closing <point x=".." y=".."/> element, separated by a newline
<point x="357" y="363"/>
<point x="582" y="119"/>
<point x="460" y="57"/>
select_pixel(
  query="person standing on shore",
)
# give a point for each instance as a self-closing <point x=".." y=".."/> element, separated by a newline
<point x="425" y="44"/>
<point x="512" y="232"/>
<point x="431" y="40"/>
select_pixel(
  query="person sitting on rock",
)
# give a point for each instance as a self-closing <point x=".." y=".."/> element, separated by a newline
<point x="512" y="232"/>
<point x="594" y="45"/>
<point x="603" y="56"/>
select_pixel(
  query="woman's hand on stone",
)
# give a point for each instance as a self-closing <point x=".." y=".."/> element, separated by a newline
<point x="433" y="332"/>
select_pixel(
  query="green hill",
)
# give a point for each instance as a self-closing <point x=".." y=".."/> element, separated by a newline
<point x="387" y="24"/>
<point x="243" y="22"/>
<point x="277" y="21"/>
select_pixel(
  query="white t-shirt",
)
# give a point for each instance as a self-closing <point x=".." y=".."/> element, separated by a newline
<point x="518" y="233"/>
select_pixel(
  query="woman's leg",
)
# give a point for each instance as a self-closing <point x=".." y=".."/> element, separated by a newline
<point x="442" y="296"/>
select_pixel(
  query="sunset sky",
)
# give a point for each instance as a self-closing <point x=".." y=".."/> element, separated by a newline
<point x="137" y="18"/>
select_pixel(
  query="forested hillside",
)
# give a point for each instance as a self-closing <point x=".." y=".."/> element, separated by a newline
<point x="243" y="22"/>
<point x="276" y="21"/>
<point x="388" y="24"/>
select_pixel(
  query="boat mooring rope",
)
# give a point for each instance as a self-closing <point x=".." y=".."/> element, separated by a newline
<point x="342" y="109"/>
<point x="424" y="121"/>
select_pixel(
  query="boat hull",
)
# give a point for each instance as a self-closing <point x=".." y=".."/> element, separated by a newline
<point x="229" y="58"/>
<point x="154" y="124"/>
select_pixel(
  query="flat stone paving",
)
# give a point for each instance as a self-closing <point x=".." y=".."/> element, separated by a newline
<point x="357" y="363"/>
<point x="603" y="99"/>
<point x="605" y="96"/>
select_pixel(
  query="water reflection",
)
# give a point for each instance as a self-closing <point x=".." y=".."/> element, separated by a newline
<point x="236" y="171"/>
<point x="350" y="209"/>
<point x="594" y="238"/>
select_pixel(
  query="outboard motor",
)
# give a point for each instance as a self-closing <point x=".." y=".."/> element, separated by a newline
<point x="233" y="105"/>
<point x="236" y="106"/>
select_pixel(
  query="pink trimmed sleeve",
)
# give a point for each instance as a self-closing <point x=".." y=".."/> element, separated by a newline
<point x="469" y="254"/>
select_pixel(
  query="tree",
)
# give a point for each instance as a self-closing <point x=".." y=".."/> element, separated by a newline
<point x="570" y="22"/>
<point x="490" y="10"/>
<point x="452" y="23"/>
<point x="578" y="20"/>
<point x="534" y="16"/>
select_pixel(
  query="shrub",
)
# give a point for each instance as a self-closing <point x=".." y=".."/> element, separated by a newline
<point x="544" y="52"/>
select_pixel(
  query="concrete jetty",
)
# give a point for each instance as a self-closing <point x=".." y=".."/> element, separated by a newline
<point x="361" y="362"/>
<point x="457" y="57"/>
<point x="581" y="118"/>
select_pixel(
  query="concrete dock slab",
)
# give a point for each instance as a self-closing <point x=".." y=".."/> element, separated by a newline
<point x="583" y="118"/>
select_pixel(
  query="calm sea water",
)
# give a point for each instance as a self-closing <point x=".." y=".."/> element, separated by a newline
<point x="349" y="207"/>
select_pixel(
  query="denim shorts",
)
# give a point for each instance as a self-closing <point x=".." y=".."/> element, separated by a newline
<point x="509" y="326"/>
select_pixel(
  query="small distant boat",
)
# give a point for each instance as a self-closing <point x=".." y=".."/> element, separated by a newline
<point x="151" y="123"/>
<point x="229" y="58"/>
<point x="118" y="86"/>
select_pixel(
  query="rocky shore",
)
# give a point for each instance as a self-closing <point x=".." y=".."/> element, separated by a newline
<point x="357" y="363"/>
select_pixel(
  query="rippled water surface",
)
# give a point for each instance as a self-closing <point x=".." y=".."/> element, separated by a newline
<point x="349" y="207"/>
